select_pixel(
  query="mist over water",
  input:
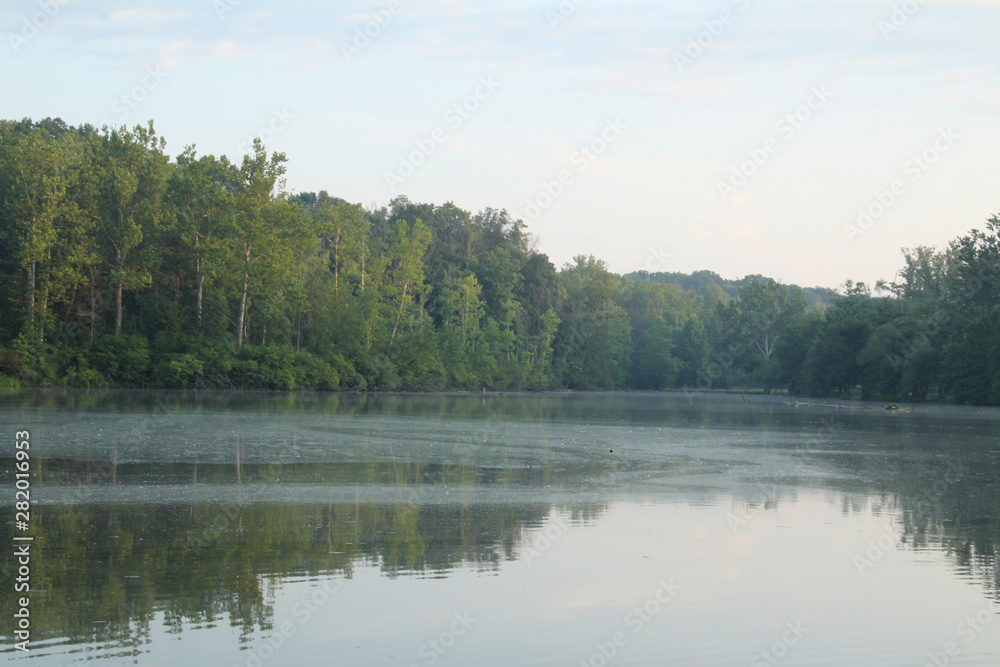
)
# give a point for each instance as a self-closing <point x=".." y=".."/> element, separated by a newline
<point x="618" y="529"/>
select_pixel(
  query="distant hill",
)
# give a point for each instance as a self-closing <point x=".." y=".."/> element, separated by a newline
<point x="815" y="297"/>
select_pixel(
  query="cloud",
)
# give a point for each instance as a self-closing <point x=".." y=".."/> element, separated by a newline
<point x="147" y="17"/>
<point x="608" y="58"/>
<point x="230" y="50"/>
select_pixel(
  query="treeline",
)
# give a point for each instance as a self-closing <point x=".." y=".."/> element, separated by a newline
<point x="123" y="267"/>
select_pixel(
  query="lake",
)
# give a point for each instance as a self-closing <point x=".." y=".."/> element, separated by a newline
<point x="252" y="529"/>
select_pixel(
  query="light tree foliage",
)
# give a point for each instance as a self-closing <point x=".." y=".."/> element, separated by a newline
<point x="123" y="266"/>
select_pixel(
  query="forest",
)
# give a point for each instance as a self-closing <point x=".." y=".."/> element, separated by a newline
<point x="121" y="266"/>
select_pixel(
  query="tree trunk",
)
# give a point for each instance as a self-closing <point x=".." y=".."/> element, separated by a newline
<point x="201" y="285"/>
<point x="43" y="307"/>
<point x="31" y="297"/>
<point x="118" y="309"/>
<point x="336" y="264"/>
<point x="243" y="310"/>
<point x="93" y="312"/>
<point x="464" y="312"/>
<point x="118" y="292"/>
<point x="395" y="324"/>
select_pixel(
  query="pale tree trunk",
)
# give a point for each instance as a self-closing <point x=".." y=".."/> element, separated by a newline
<point x="93" y="310"/>
<point x="241" y="327"/>
<point x="118" y="292"/>
<point x="201" y="285"/>
<point x="402" y="302"/>
<point x="465" y="310"/>
<point x="41" y="313"/>
<point x="243" y="310"/>
<point x="118" y="309"/>
<point x="31" y="297"/>
<point x="336" y="263"/>
<point x="118" y="269"/>
<point x="44" y="287"/>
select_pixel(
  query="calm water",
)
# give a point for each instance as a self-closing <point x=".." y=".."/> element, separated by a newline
<point x="276" y="529"/>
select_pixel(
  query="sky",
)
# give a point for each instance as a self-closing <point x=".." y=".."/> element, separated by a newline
<point x="807" y="140"/>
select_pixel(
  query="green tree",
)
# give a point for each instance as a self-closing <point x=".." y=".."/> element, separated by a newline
<point x="406" y="270"/>
<point x="693" y="351"/>
<point x="198" y="193"/>
<point x="761" y="313"/>
<point x="343" y="229"/>
<point x="41" y="172"/>
<point x="125" y="189"/>
<point x="593" y="346"/>
<point x="252" y="236"/>
<point x="653" y="364"/>
<point x="972" y="353"/>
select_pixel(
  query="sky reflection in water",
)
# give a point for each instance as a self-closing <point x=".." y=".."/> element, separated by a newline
<point x="299" y="529"/>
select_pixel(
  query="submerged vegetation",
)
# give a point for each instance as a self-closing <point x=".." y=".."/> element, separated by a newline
<point x="120" y="266"/>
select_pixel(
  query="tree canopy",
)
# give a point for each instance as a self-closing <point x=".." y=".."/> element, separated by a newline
<point x="123" y="267"/>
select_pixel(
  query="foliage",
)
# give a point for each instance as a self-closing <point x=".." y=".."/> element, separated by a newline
<point x="122" y="267"/>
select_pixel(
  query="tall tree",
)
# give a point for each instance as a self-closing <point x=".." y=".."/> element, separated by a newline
<point x="406" y="268"/>
<point x="594" y="341"/>
<point x="198" y="192"/>
<point x="126" y="186"/>
<point x="343" y="229"/>
<point x="693" y="351"/>
<point x="252" y="236"/>
<point x="763" y="309"/>
<point x="41" y="170"/>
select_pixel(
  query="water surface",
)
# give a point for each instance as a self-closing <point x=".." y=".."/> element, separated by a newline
<point x="618" y="529"/>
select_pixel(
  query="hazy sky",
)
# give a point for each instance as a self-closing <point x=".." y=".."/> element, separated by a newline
<point x="740" y="136"/>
